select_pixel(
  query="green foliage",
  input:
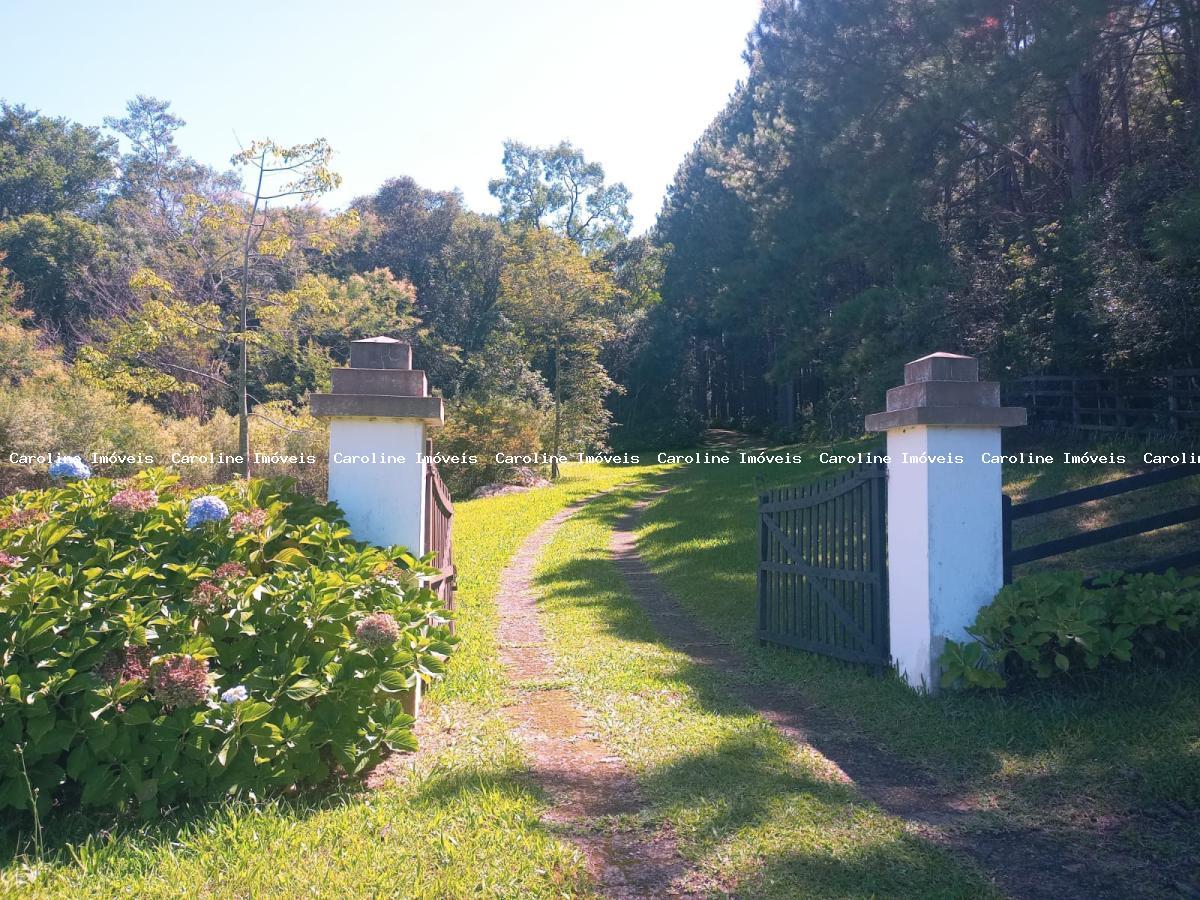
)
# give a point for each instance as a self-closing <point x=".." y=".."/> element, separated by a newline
<point x="97" y="603"/>
<point x="558" y="300"/>
<point x="556" y="187"/>
<point x="50" y="165"/>
<point x="1052" y="625"/>
<point x="482" y="426"/>
<point x="1012" y="181"/>
<point x="305" y="329"/>
<point x="49" y="255"/>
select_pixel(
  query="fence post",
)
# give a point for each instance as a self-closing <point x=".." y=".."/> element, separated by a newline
<point x="945" y="521"/>
<point x="763" y="543"/>
<point x="378" y="414"/>
<point x="1006" y="522"/>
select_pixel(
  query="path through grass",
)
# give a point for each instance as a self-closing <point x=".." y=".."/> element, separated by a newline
<point x="757" y="815"/>
<point x="464" y="822"/>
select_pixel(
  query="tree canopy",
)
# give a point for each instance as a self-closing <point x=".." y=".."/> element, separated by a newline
<point x="1013" y="181"/>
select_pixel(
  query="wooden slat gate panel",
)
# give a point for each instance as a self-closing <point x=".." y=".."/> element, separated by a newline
<point x="439" y="517"/>
<point x="822" y="573"/>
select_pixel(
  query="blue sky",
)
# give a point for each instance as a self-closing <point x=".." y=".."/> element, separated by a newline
<point x="427" y="89"/>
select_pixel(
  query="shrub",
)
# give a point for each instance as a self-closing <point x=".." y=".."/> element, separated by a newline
<point x="144" y="662"/>
<point x="483" y="427"/>
<point x="1052" y="624"/>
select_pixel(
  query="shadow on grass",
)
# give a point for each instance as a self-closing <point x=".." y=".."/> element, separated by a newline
<point x="109" y="849"/>
<point x="749" y="783"/>
<point x="744" y="784"/>
<point x="1093" y="761"/>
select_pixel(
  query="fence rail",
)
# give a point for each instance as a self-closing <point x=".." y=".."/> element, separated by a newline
<point x="1165" y="403"/>
<point x="439" y="517"/>
<point x="1107" y="534"/>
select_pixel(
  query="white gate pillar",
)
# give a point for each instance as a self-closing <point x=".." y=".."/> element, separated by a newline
<point x="378" y="414"/>
<point x="945" y="539"/>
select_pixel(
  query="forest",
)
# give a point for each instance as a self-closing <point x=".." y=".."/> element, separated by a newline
<point x="1016" y="181"/>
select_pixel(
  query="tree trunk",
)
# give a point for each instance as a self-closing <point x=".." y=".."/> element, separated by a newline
<point x="786" y="410"/>
<point x="1189" y="39"/>
<point x="557" y="416"/>
<point x="1083" y="107"/>
<point x="244" y="334"/>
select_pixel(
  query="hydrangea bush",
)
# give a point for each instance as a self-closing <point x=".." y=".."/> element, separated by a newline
<point x="159" y="645"/>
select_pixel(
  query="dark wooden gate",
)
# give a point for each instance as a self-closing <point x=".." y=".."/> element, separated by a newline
<point x="822" y="572"/>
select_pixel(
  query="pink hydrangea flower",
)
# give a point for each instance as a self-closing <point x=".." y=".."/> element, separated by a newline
<point x="391" y="573"/>
<point x="126" y="664"/>
<point x="229" y="570"/>
<point x="21" y="518"/>
<point x="206" y="595"/>
<point x="378" y="630"/>
<point x="133" y="500"/>
<point x="179" y="681"/>
<point x="248" y="520"/>
<point x="8" y="561"/>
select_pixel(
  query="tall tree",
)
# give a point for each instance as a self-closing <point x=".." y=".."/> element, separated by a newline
<point x="556" y="187"/>
<point x="50" y="165"/>
<point x="50" y="255"/>
<point x="279" y="173"/>
<point x="1003" y="179"/>
<point x="558" y="300"/>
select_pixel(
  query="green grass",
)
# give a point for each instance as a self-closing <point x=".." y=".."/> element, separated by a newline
<point x="464" y="822"/>
<point x="1062" y="759"/>
<point x="757" y="815"/>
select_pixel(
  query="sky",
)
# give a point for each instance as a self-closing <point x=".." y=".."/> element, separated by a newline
<point x="426" y="89"/>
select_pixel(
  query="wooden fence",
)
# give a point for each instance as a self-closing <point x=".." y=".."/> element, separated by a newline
<point x="1143" y="404"/>
<point x="1109" y="533"/>
<point x="439" y="517"/>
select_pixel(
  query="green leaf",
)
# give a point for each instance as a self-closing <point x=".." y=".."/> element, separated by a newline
<point x="393" y="680"/>
<point x="304" y="688"/>
<point x="252" y="710"/>
<point x="289" y="556"/>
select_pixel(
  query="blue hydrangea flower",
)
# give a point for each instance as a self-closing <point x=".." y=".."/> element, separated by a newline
<point x="234" y="694"/>
<point x="70" y="467"/>
<point x="206" y="509"/>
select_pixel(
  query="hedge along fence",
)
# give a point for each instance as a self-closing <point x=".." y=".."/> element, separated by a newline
<point x="161" y="645"/>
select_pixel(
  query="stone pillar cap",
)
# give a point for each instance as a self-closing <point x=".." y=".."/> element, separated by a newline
<point x="380" y="353"/>
<point x="944" y="389"/>
<point x="942" y="367"/>
<point x="380" y="383"/>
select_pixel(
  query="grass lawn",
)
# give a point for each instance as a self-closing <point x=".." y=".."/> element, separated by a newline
<point x="757" y="815"/>
<point x="1080" y="762"/>
<point x="463" y="822"/>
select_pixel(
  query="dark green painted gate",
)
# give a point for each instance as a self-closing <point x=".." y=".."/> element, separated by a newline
<point x="822" y="572"/>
